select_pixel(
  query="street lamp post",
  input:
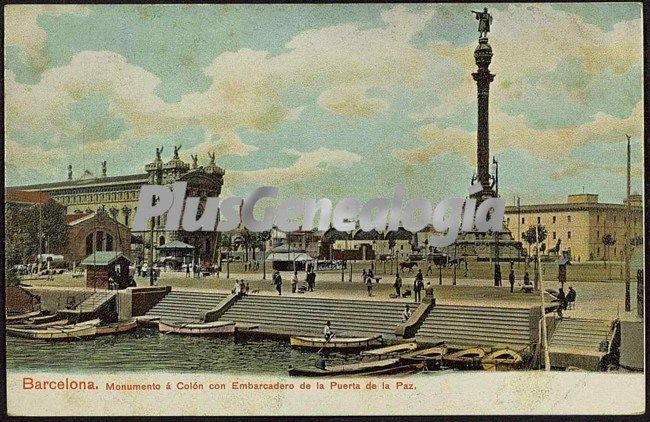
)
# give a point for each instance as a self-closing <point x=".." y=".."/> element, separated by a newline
<point x="497" y="269"/>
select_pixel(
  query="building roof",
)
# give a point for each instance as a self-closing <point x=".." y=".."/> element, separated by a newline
<point x="175" y="244"/>
<point x="95" y="181"/>
<point x="102" y="258"/>
<point x="24" y="197"/>
<point x="513" y="209"/>
<point x="285" y="256"/>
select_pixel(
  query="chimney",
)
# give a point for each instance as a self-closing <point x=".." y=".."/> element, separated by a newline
<point x="69" y="171"/>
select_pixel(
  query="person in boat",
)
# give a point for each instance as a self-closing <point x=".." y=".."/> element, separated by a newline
<point x="294" y="282"/>
<point x="398" y="285"/>
<point x="320" y="362"/>
<point x="327" y="331"/>
<point x="406" y="314"/>
<point x="571" y="298"/>
<point x="511" y="279"/>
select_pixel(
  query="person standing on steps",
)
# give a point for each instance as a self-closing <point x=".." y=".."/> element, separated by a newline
<point x="406" y="314"/>
<point x="418" y="285"/>
<point x="368" y="282"/>
<point x="511" y="279"/>
<point x="327" y="331"/>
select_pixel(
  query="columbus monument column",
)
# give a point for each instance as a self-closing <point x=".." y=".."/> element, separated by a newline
<point x="483" y="78"/>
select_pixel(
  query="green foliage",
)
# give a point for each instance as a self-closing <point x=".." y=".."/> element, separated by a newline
<point x="22" y="231"/>
<point x="530" y="235"/>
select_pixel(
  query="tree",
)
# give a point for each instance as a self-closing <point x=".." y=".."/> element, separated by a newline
<point x="530" y="236"/>
<point x="22" y="231"/>
<point x="608" y="241"/>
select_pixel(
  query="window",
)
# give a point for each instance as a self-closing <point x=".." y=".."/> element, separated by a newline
<point x="554" y="236"/>
<point x="553" y="219"/>
<point x="568" y="218"/>
<point x="523" y="220"/>
<point x="99" y="242"/>
<point x="539" y="220"/>
<point x="614" y="219"/>
<point x="598" y="234"/>
<point x="568" y="235"/>
<point x="109" y="242"/>
<point x="598" y="251"/>
<point x="598" y="218"/>
<point x="89" y="244"/>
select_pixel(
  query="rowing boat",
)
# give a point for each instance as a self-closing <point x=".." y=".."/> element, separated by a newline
<point x="465" y="359"/>
<point x="57" y="323"/>
<point x="42" y="319"/>
<point x="55" y="333"/>
<point x="407" y="369"/>
<point x="17" y="318"/>
<point x="350" y="369"/>
<point x="386" y="352"/>
<point x="432" y="357"/>
<point x="198" y="329"/>
<point x="117" y="328"/>
<point x="502" y="360"/>
<point x="336" y="343"/>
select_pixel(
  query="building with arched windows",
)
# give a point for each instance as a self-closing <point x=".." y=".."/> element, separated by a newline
<point x="116" y="198"/>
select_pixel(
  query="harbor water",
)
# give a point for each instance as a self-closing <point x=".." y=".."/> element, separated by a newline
<point x="147" y="350"/>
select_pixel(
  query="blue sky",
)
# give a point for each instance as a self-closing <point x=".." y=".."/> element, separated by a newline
<point x="328" y="100"/>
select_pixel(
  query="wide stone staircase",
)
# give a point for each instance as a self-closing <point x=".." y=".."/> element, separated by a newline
<point x="477" y="326"/>
<point x="307" y="316"/>
<point x="580" y="333"/>
<point x="185" y="306"/>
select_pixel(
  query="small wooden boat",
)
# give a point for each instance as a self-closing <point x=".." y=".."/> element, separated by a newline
<point x="432" y="357"/>
<point x="407" y="369"/>
<point x="341" y="370"/>
<point x="336" y="343"/>
<point x="148" y="321"/>
<point x="198" y="329"/>
<point x="12" y="319"/>
<point x="57" y="323"/>
<point x="502" y="360"/>
<point x="387" y="352"/>
<point x="465" y="359"/>
<point x="117" y="328"/>
<point x="42" y="319"/>
<point x="91" y="322"/>
<point x="55" y="333"/>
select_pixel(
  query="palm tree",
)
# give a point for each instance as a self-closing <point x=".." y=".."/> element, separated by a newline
<point x="608" y="241"/>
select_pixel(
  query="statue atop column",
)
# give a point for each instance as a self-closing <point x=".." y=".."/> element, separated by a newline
<point x="195" y="159"/>
<point x="484" y="22"/>
<point x="176" y="149"/>
<point x="159" y="153"/>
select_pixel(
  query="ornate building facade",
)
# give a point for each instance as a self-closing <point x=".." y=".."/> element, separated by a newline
<point x="118" y="197"/>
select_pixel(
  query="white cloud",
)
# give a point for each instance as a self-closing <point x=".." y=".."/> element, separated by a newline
<point x="351" y="101"/>
<point x="308" y="165"/>
<point x="23" y="30"/>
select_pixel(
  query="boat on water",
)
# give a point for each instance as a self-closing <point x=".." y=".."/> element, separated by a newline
<point x="14" y="319"/>
<point x="78" y="332"/>
<point x="349" y="369"/>
<point x="41" y="319"/>
<point x="502" y="360"/>
<point x="465" y="359"/>
<point x="117" y="328"/>
<point x="216" y="328"/>
<point x="432" y="357"/>
<point x="387" y="352"/>
<point x="57" y="323"/>
<point x="336" y="342"/>
<point x="402" y="369"/>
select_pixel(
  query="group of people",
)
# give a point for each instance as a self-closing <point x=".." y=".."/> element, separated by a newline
<point x="296" y="284"/>
<point x="192" y="268"/>
<point x="418" y="285"/>
<point x="567" y="300"/>
<point x="240" y="288"/>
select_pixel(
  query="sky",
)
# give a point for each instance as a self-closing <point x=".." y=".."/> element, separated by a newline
<point x="328" y="100"/>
